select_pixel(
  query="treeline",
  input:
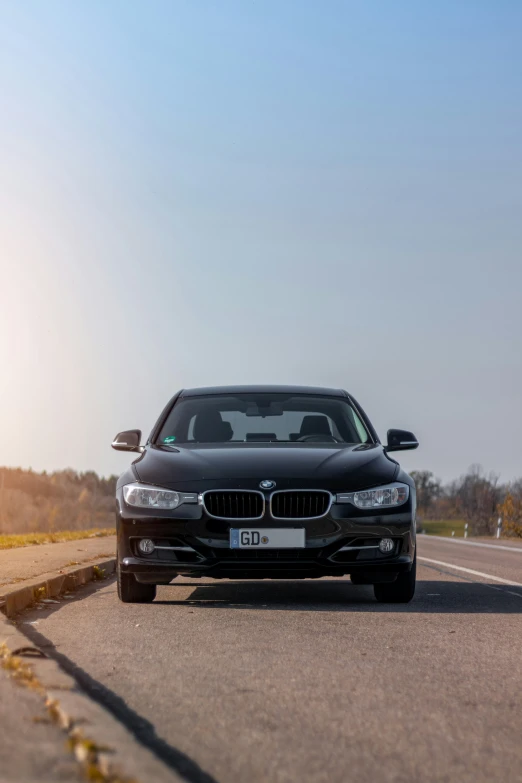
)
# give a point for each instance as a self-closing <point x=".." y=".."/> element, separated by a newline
<point x="33" y="502"/>
<point x="478" y="498"/>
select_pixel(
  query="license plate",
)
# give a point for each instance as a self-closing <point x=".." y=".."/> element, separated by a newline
<point x="267" y="538"/>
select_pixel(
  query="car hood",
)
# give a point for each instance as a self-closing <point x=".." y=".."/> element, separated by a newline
<point x="333" y="467"/>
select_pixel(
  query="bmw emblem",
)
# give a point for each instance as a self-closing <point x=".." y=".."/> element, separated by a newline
<point x="267" y="484"/>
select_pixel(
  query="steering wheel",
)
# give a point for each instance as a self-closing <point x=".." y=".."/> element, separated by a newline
<point x="317" y="439"/>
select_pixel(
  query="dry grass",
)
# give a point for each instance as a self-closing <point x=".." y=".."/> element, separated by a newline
<point x="18" y="669"/>
<point x="444" y="527"/>
<point x="32" y="539"/>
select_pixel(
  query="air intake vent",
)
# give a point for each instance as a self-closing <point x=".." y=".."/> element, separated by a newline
<point x="234" y="505"/>
<point x="300" y="505"/>
<point x="283" y="555"/>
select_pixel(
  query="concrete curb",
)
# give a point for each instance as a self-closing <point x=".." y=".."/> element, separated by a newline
<point x="96" y="738"/>
<point x="14" y="599"/>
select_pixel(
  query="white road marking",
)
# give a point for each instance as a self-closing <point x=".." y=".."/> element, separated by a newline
<point x="471" y="571"/>
<point x="447" y="540"/>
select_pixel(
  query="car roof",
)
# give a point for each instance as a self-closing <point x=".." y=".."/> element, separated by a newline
<point x="260" y="389"/>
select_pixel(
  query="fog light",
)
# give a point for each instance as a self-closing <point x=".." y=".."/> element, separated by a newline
<point x="386" y="546"/>
<point x="146" y="546"/>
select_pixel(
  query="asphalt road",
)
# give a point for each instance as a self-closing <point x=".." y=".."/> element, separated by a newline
<point x="242" y="682"/>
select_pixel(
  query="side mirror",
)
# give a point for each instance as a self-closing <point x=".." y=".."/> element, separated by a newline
<point x="401" y="440"/>
<point x="127" y="441"/>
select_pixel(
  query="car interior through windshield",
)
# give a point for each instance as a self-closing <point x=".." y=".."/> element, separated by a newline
<point x="262" y="418"/>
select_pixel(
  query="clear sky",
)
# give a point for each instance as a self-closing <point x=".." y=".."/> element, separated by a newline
<point x="239" y="191"/>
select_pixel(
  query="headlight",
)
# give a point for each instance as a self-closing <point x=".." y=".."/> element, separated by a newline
<point x="382" y="497"/>
<point x="150" y="497"/>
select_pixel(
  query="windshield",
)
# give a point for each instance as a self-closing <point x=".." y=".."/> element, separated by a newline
<point x="280" y="418"/>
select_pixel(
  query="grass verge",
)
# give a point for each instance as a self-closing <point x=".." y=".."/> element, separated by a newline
<point x="32" y="539"/>
<point x="443" y="527"/>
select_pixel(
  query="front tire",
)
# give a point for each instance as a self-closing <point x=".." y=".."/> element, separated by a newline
<point x="132" y="592"/>
<point x="401" y="591"/>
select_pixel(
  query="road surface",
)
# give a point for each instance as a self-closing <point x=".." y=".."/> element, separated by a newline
<point x="243" y="682"/>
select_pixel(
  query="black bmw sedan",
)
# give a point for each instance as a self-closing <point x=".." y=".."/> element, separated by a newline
<point x="265" y="482"/>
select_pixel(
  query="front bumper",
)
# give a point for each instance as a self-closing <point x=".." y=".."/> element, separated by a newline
<point x="191" y="543"/>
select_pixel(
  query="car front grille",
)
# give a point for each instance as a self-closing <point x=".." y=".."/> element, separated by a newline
<point x="300" y="504"/>
<point x="234" y="504"/>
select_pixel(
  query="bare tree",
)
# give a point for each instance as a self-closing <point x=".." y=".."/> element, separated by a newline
<point x="477" y="496"/>
<point x="428" y="489"/>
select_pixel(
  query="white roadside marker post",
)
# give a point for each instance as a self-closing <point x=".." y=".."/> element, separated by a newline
<point x="499" y="526"/>
<point x="466" y="530"/>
